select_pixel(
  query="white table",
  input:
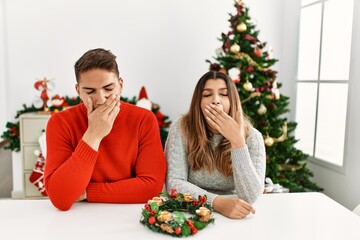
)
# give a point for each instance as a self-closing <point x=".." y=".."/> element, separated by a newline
<point x="278" y="216"/>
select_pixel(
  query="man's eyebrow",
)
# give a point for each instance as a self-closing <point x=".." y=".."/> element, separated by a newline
<point x="89" y="88"/>
<point x="109" y="85"/>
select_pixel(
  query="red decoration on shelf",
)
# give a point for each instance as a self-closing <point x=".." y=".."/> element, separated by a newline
<point x="37" y="175"/>
<point x="143" y="100"/>
<point x="43" y="85"/>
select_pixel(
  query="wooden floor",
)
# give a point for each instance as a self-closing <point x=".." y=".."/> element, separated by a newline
<point x="5" y="173"/>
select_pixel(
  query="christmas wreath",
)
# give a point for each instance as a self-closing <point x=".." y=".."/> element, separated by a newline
<point x="165" y="215"/>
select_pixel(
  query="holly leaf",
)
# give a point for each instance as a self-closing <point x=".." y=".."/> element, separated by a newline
<point x="154" y="206"/>
<point x="165" y="194"/>
<point x="185" y="230"/>
<point x="199" y="225"/>
<point x="145" y="213"/>
<point x="179" y="217"/>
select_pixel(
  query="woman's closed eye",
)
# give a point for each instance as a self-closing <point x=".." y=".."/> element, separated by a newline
<point x="222" y="94"/>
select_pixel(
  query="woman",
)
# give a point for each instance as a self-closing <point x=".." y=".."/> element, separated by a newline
<point x="213" y="149"/>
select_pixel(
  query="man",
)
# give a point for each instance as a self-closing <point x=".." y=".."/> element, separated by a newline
<point x="102" y="150"/>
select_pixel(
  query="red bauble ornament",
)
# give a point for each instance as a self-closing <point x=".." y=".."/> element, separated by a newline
<point x="258" y="52"/>
<point x="250" y="38"/>
<point x="249" y="69"/>
<point x="12" y="129"/>
<point x="223" y="70"/>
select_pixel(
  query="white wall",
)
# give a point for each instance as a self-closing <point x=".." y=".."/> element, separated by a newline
<point x="161" y="44"/>
<point x="288" y="57"/>
<point x="2" y="71"/>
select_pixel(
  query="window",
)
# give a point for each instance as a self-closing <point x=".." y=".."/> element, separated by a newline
<point x="323" y="80"/>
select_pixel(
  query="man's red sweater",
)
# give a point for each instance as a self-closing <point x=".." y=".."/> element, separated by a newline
<point x="129" y="166"/>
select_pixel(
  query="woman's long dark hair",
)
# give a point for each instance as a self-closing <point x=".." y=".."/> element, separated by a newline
<point x="197" y="135"/>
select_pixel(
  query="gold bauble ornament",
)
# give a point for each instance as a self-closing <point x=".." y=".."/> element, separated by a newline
<point x="235" y="48"/>
<point x="262" y="109"/>
<point x="241" y="27"/>
<point x="248" y="86"/>
<point x="269" y="141"/>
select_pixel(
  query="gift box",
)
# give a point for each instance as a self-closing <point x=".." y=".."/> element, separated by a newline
<point x="270" y="187"/>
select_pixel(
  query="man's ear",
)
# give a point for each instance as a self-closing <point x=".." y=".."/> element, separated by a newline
<point x="121" y="83"/>
<point x="77" y="89"/>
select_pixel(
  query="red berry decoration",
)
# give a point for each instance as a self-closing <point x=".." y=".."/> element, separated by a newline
<point x="152" y="220"/>
<point x="190" y="223"/>
<point x="147" y="207"/>
<point x="177" y="231"/>
<point x="173" y="193"/>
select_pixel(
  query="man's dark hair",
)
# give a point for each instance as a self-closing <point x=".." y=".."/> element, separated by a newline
<point x="96" y="58"/>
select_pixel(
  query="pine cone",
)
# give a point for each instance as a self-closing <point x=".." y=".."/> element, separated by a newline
<point x="166" y="228"/>
<point x="205" y="219"/>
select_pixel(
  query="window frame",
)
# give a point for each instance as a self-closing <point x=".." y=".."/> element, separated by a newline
<point x="318" y="82"/>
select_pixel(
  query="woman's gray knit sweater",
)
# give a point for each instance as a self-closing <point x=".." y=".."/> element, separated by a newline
<point x="247" y="180"/>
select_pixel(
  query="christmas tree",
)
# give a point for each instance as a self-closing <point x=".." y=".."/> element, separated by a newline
<point x="248" y="62"/>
